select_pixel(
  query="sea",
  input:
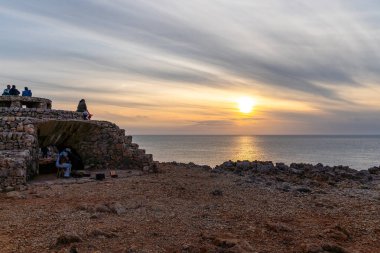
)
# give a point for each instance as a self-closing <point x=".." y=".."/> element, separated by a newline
<point x="357" y="152"/>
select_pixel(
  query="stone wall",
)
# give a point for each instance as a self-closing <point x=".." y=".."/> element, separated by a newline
<point x="26" y="102"/>
<point x="14" y="166"/>
<point x="18" y="150"/>
<point x="39" y="113"/>
<point x="100" y="144"/>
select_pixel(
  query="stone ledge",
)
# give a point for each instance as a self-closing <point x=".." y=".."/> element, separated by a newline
<point x="29" y="102"/>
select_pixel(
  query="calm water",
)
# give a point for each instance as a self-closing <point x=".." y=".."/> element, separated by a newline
<point x="359" y="152"/>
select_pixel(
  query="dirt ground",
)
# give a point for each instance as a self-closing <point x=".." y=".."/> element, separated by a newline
<point x="182" y="209"/>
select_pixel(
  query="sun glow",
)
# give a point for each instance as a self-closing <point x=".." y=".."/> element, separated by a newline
<point x="246" y="104"/>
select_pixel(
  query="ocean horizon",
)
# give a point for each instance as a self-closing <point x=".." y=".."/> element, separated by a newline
<point x="356" y="151"/>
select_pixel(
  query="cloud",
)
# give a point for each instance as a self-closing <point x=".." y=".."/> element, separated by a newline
<point x="212" y="123"/>
<point x="296" y="50"/>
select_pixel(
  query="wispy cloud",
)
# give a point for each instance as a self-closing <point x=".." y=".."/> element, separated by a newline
<point x="298" y="50"/>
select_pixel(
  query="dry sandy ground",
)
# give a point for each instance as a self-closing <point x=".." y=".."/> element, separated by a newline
<point x="186" y="210"/>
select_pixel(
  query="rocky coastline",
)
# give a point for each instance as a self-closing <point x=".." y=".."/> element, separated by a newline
<point x="243" y="206"/>
<point x="311" y="175"/>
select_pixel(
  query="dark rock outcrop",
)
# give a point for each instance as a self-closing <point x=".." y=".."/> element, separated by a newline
<point x="299" y="173"/>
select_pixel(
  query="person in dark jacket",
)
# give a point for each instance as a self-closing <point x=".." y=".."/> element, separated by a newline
<point x="14" y="91"/>
<point x="82" y="107"/>
<point x="26" y="92"/>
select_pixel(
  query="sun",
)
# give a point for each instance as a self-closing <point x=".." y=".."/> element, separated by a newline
<point x="246" y="104"/>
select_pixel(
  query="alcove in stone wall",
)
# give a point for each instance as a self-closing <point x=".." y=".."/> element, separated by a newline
<point x="99" y="144"/>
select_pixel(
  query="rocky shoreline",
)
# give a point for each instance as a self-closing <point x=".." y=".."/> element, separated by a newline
<point x="302" y="173"/>
<point x="239" y="206"/>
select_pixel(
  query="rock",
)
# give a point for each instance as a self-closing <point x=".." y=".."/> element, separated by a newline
<point x="311" y="248"/>
<point x="230" y="244"/>
<point x="241" y="247"/>
<point x="94" y="216"/>
<point x="282" y="166"/>
<point x="244" y="165"/>
<point x="285" y="188"/>
<point x="100" y="233"/>
<point x="102" y="208"/>
<point x="278" y="227"/>
<point x="265" y="166"/>
<point x="73" y="249"/>
<point x="217" y="193"/>
<point x="238" y="172"/>
<point x="330" y="248"/>
<point x="117" y="208"/>
<point x="374" y="170"/>
<point x="68" y="238"/>
<point x="15" y="195"/>
<point x="303" y="190"/>
<point x="86" y="207"/>
<point x="338" y="233"/>
<point x="9" y="189"/>
<point x="21" y="187"/>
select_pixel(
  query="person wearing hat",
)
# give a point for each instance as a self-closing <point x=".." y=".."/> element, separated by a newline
<point x="63" y="162"/>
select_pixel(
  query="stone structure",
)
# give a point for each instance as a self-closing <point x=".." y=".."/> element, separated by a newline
<point x="29" y="123"/>
<point x="24" y="102"/>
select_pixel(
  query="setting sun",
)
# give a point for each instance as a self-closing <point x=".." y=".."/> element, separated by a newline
<point x="246" y="104"/>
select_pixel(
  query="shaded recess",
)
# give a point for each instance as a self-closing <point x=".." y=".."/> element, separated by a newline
<point x="96" y="144"/>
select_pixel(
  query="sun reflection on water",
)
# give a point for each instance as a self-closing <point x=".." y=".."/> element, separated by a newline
<point x="246" y="148"/>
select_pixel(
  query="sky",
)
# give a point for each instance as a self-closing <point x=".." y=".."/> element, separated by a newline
<point x="179" y="67"/>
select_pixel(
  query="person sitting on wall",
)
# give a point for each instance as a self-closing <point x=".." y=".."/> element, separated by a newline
<point x="82" y="107"/>
<point x="7" y="90"/>
<point x="26" y="92"/>
<point x="13" y="91"/>
<point x="63" y="162"/>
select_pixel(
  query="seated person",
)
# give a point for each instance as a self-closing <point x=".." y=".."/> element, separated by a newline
<point x="14" y="91"/>
<point x="82" y="107"/>
<point x="86" y="115"/>
<point x="63" y="162"/>
<point x="26" y="92"/>
<point x="7" y="90"/>
<point x="45" y="151"/>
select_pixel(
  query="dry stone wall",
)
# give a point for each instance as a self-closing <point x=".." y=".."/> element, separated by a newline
<point x="100" y="144"/>
<point x="24" y="102"/>
<point x="39" y="113"/>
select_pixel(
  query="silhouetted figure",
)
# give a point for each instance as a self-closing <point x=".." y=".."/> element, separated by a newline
<point x="82" y="107"/>
<point x="26" y="92"/>
<point x="76" y="161"/>
<point x="45" y="152"/>
<point x="7" y="90"/>
<point x="13" y="91"/>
